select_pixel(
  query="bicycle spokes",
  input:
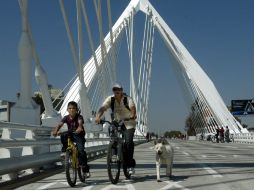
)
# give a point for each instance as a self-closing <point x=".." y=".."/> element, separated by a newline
<point x="70" y="169"/>
<point x="113" y="164"/>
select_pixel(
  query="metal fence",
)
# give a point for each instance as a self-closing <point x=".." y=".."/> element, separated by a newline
<point x="247" y="138"/>
<point x="244" y="138"/>
<point x="38" y="149"/>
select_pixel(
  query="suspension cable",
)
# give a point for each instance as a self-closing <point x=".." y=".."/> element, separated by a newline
<point x="111" y="40"/>
<point x="103" y="47"/>
<point x="69" y="33"/>
<point x="144" y="76"/>
<point x="149" y="73"/>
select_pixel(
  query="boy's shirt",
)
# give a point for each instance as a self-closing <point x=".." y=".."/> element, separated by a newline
<point x="73" y="124"/>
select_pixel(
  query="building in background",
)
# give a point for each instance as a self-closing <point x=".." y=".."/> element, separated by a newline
<point x="56" y="94"/>
<point x="5" y="106"/>
<point x="5" y="109"/>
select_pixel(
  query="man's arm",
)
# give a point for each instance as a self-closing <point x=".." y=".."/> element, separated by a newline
<point x="133" y="112"/>
<point x="99" y="114"/>
<point x="132" y="108"/>
<point x="106" y="104"/>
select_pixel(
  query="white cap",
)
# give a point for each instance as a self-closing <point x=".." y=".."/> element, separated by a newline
<point x="116" y="85"/>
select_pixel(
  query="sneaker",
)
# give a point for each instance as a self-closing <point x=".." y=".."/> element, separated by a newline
<point x="114" y="158"/>
<point x="62" y="154"/>
<point x="88" y="174"/>
<point x="131" y="171"/>
<point x="85" y="170"/>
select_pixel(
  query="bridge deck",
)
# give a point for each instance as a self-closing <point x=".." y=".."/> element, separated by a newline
<point x="197" y="165"/>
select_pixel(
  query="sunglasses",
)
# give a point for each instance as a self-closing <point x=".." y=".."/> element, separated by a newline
<point x="117" y="89"/>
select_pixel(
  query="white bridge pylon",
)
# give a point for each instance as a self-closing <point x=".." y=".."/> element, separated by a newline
<point x="95" y="77"/>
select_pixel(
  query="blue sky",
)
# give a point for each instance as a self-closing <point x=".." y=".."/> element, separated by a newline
<point x="217" y="33"/>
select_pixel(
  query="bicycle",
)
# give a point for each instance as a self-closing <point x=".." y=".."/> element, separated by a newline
<point x="214" y="138"/>
<point x="201" y="137"/>
<point x="72" y="163"/>
<point x="116" y="154"/>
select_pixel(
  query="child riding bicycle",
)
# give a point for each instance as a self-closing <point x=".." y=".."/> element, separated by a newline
<point x="75" y="123"/>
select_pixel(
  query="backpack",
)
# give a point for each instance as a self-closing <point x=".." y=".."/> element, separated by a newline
<point x="125" y="102"/>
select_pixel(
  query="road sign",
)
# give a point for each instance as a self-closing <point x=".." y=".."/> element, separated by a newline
<point x="242" y="107"/>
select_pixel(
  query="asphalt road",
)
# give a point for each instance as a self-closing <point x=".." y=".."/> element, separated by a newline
<point x="197" y="166"/>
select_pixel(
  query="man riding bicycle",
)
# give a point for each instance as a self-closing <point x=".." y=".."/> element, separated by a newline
<point x="123" y="107"/>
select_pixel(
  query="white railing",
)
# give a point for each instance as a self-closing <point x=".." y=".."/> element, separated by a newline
<point x="244" y="138"/>
<point x="45" y="149"/>
<point x="247" y="138"/>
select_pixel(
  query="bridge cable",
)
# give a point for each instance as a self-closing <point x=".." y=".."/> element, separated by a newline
<point x="69" y="34"/>
<point x="143" y="68"/>
<point x="91" y="44"/>
<point x="145" y="71"/>
<point x="111" y="40"/>
<point x="102" y="43"/>
<point x="149" y="73"/>
<point x="84" y="100"/>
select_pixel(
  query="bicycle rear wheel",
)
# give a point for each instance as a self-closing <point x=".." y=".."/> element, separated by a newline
<point x="70" y="169"/>
<point x="113" y="164"/>
<point x="81" y="175"/>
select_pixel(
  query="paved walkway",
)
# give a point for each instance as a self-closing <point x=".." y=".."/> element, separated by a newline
<point x="197" y="166"/>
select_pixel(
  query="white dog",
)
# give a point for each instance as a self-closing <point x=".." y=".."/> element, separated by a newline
<point x="164" y="155"/>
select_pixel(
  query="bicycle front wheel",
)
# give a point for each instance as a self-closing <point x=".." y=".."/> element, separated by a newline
<point x="113" y="164"/>
<point x="70" y="169"/>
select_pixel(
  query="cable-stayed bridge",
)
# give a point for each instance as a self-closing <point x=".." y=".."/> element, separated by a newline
<point x="93" y="81"/>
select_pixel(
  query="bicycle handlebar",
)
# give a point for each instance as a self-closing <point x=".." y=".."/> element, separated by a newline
<point x="68" y="132"/>
<point x="111" y="123"/>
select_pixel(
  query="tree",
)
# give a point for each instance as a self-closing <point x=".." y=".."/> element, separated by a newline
<point x="238" y="119"/>
<point x="57" y="103"/>
<point x="173" y="134"/>
<point x="189" y="127"/>
<point x="38" y="99"/>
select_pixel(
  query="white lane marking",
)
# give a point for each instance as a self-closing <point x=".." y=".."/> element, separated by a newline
<point x="130" y="186"/>
<point x="177" y="147"/>
<point x="203" y="156"/>
<point x="127" y="186"/>
<point x="66" y="183"/>
<point x="186" y="153"/>
<point x="61" y="180"/>
<point x="231" y="146"/>
<point x="212" y="172"/>
<point x="88" y="187"/>
<point x="173" y="184"/>
<point x="222" y="156"/>
<point x="235" y="156"/>
<point x="46" y="186"/>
